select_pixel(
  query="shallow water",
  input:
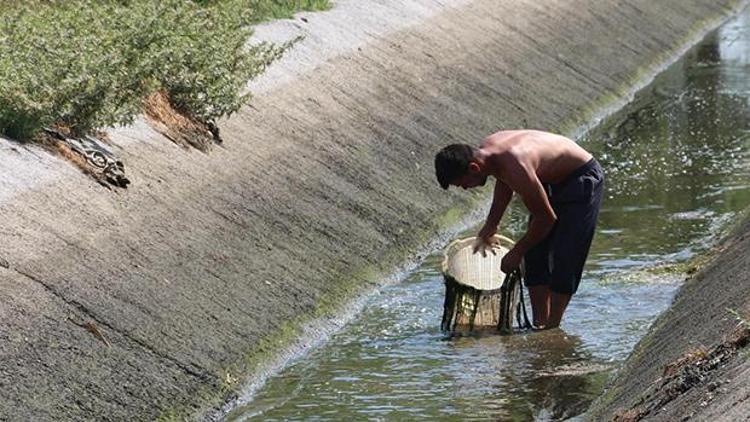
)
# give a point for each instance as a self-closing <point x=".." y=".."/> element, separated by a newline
<point x="677" y="172"/>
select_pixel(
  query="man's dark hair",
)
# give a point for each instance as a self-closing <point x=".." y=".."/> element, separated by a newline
<point x="452" y="162"/>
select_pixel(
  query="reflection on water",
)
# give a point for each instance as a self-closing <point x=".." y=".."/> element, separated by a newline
<point x="677" y="169"/>
<point x="676" y="158"/>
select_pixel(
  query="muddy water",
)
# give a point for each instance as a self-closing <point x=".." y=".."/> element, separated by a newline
<point x="677" y="165"/>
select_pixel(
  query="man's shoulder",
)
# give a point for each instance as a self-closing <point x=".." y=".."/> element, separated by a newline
<point x="506" y="133"/>
<point x="500" y="139"/>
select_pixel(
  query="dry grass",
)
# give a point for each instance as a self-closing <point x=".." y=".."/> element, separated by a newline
<point x="689" y="357"/>
<point x="632" y="415"/>
<point x="176" y="126"/>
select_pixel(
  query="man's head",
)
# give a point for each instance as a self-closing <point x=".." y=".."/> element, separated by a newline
<point x="459" y="165"/>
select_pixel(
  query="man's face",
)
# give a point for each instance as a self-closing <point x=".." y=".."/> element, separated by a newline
<point x="474" y="177"/>
<point x="470" y="180"/>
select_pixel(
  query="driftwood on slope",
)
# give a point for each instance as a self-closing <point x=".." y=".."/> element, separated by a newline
<point x="91" y="155"/>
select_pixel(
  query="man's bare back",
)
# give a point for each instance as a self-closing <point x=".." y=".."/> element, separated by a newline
<point x="552" y="157"/>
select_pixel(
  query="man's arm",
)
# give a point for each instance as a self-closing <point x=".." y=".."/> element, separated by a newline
<point x="524" y="181"/>
<point x="500" y="200"/>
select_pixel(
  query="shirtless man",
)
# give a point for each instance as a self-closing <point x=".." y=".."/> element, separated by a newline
<point x="561" y="185"/>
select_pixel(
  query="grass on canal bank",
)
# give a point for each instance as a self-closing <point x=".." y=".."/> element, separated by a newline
<point x="88" y="64"/>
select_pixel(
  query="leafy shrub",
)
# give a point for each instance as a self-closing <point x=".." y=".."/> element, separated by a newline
<point x="86" y="64"/>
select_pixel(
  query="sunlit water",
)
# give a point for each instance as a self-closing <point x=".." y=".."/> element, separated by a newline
<point x="677" y="173"/>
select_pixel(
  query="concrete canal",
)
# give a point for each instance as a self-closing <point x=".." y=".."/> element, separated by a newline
<point x="678" y="175"/>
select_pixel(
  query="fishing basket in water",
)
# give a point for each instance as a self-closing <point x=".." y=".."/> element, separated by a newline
<point x="478" y="295"/>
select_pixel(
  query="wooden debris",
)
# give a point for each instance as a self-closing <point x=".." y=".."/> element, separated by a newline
<point x="90" y="155"/>
<point x="93" y="329"/>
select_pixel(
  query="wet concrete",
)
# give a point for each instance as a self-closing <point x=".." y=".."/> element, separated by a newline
<point x="687" y="368"/>
<point x="321" y="187"/>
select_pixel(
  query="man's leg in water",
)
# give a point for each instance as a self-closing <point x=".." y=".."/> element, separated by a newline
<point x="557" y="304"/>
<point x="537" y="276"/>
<point x="540" y="304"/>
<point x="576" y="203"/>
<point x="547" y="306"/>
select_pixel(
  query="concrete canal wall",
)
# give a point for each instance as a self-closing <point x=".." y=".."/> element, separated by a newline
<point x="324" y="184"/>
<point x="694" y="364"/>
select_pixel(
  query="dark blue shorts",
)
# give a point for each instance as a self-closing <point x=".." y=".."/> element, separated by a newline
<point x="557" y="261"/>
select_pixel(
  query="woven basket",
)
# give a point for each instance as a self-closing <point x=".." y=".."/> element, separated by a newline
<point x="474" y="288"/>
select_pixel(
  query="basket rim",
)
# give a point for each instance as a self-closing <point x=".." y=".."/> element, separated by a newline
<point x="503" y="240"/>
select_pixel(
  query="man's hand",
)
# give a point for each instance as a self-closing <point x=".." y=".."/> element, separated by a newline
<point x="484" y="242"/>
<point x="511" y="261"/>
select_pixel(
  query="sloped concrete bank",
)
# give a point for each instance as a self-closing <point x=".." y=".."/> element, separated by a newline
<point x="694" y="364"/>
<point x="323" y="185"/>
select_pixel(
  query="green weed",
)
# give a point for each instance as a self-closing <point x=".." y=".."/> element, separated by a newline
<point x="741" y="320"/>
<point x="86" y="64"/>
